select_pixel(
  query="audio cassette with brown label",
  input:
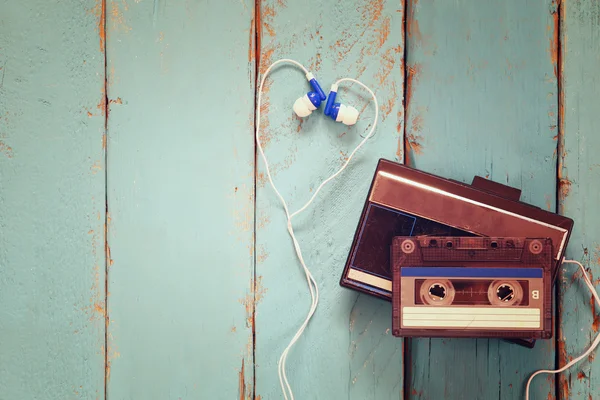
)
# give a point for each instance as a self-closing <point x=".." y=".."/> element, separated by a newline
<point x="472" y="287"/>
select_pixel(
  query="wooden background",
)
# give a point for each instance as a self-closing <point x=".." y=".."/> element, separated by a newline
<point x="143" y="255"/>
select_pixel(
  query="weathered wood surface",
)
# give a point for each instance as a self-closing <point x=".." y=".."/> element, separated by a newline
<point x="482" y="99"/>
<point x="204" y="287"/>
<point x="580" y="193"/>
<point x="180" y="199"/>
<point x="51" y="201"/>
<point x="348" y="350"/>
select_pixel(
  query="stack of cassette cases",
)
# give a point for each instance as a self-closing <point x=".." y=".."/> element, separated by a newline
<point x="472" y="287"/>
<point x="403" y="201"/>
<point x="456" y="259"/>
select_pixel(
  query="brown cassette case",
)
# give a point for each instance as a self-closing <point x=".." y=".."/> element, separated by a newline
<point x="472" y="287"/>
<point x="403" y="201"/>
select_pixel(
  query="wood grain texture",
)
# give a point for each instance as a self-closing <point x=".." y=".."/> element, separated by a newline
<point x="580" y="193"/>
<point x="482" y="100"/>
<point x="348" y="350"/>
<point x="180" y="182"/>
<point x="51" y="201"/>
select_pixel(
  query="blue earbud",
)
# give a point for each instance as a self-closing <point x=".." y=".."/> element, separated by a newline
<point x="306" y="104"/>
<point x="339" y="112"/>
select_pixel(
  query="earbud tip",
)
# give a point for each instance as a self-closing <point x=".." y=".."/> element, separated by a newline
<point x="350" y="116"/>
<point x="301" y="109"/>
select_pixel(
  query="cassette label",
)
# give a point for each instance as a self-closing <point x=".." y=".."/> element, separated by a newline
<point x="472" y="287"/>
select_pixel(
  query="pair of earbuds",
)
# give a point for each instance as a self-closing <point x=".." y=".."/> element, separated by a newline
<point x="311" y="101"/>
<point x="303" y="107"/>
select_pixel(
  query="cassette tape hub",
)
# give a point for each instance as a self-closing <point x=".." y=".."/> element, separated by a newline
<point x="403" y="201"/>
<point x="472" y="287"/>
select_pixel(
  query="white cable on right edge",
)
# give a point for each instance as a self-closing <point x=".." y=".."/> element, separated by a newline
<point x="312" y="284"/>
<point x="589" y="350"/>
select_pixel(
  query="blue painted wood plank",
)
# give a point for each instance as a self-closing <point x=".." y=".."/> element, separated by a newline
<point x="580" y="193"/>
<point x="482" y="100"/>
<point x="180" y="186"/>
<point x="348" y="350"/>
<point x="51" y="201"/>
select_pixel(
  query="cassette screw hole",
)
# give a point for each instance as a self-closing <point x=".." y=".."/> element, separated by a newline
<point x="494" y="245"/>
<point x="448" y="244"/>
<point x="408" y="246"/>
<point x="536" y="247"/>
<point x="437" y="292"/>
<point x="433" y="242"/>
<point x="505" y="292"/>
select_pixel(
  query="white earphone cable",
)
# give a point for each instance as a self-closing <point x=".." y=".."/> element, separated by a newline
<point x="592" y="346"/>
<point x="312" y="284"/>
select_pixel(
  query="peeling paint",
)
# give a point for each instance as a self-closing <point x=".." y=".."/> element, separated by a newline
<point x="100" y="12"/>
<point x="261" y="254"/>
<point x="257" y="292"/>
<point x="554" y="40"/>
<point x="596" y="317"/>
<point x="242" y="382"/>
<point x="96" y="167"/>
<point x="119" y="23"/>
<point x="387" y="62"/>
<point x="412" y="25"/>
<point x="388" y="106"/>
<point x="268" y="15"/>
<point x="564" y="187"/>
<point x="412" y="78"/>
<point x="6" y="149"/>
<point x="562" y="378"/>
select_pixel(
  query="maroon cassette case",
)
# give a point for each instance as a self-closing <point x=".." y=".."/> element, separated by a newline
<point x="403" y="201"/>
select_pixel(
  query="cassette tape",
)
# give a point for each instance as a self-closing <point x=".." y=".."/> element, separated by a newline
<point x="476" y="287"/>
<point x="403" y="201"/>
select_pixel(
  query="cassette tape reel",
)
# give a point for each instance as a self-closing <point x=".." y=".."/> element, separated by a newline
<point x="472" y="287"/>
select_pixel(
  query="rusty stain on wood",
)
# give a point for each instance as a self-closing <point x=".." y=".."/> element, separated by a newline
<point x="412" y="24"/>
<point x="6" y="149"/>
<point x="372" y="12"/>
<point x="96" y="167"/>
<point x="563" y="383"/>
<point x="102" y="103"/>
<point x="99" y="11"/>
<point x="388" y="61"/>
<point x="261" y="254"/>
<point x="117" y="18"/>
<point x="388" y="106"/>
<point x="252" y="37"/>
<point x="554" y="39"/>
<point x="412" y="77"/>
<point x="596" y="317"/>
<point x="383" y="32"/>
<point x="267" y="17"/>
<point x="117" y="101"/>
<point x="241" y="382"/>
<point x="257" y="292"/>
<point x="564" y="187"/>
